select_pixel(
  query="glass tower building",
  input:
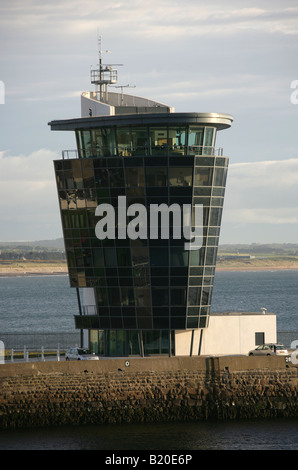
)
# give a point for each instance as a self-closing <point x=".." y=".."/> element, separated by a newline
<point x="140" y="294"/>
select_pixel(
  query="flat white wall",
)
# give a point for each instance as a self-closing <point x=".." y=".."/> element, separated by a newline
<point x="227" y="334"/>
<point x="98" y="108"/>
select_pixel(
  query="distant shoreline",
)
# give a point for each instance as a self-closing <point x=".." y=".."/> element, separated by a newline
<point x="258" y="268"/>
<point x="33" y="269"/>
<point x="58" y="269"/>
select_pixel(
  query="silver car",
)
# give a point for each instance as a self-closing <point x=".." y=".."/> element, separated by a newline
<point x="80" y="354"/>
<point x="269" y="349"/>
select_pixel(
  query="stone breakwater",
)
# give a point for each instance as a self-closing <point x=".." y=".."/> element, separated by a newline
<point x="146" y="390"/>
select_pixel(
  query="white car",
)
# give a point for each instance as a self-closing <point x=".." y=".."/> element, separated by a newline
<point x="269" y="349"/>
<point x="80" y="354"/>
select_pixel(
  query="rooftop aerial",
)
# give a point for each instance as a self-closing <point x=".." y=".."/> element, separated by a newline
<point x="103" y="102"/>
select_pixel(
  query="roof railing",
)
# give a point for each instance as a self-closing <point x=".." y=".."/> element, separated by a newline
<point x="133" y="151"/>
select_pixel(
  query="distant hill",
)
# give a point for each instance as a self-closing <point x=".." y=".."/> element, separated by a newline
<point x="286" y="249"/>
<point x="56" y="244"/>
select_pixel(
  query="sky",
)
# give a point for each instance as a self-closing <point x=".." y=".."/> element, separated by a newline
<point x="226" y="56"/>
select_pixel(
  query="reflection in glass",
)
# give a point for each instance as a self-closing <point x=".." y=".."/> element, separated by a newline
<point x="156" y="176"/>
<point x="179" y="256"/>
<point x="203" y="176"/>
<point x="177" y="140"/>
<point x="180" y="176"/>
<point x="159" y="140"/>
<point x="134" y="177"/>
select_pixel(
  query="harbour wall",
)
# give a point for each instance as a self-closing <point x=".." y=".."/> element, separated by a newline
<point x="146" y="390"/>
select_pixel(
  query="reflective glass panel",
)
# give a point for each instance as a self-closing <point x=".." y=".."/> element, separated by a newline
<point x="180" y="176"/>
<point x="159" y="141"/>
<point x="139" y="139"/>
<point x="195" y="140"/>
<point x="134" y="177"/>
<point x="156" y="176"/>
<point x="203" y="176"/>
<point x="177" y="140"/>
<point x="124" y="142"/>
<point x="209" y="141"/>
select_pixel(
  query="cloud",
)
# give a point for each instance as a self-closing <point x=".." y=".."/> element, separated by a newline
<point x="262" y="193"/>
<point x="28" y="198"/>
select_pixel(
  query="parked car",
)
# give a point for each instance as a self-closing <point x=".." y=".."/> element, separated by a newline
<point x="269" y="349"/>
<point x="78" y="354"/>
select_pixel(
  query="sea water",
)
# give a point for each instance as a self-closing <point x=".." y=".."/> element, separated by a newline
<point x="46" y="303"/>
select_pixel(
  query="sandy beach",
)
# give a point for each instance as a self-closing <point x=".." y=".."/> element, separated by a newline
<point x="31" y="269"/>
<point x="57" y="268"/>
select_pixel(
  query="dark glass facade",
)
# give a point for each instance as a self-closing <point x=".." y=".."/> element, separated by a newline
<point x="153" y="286"/>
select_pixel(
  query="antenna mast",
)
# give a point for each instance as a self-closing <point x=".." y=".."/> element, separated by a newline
<point x="104" y="76"/>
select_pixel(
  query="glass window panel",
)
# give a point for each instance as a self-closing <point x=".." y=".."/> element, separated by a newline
<point x="101" y="177"/>
<point x="142" y="296"/>
<point x="102" y="296"/>
<point x="197" y="257"/>
<point x="79" y="142"/>
<point x="98" y="257"/>
<point x="160" y="297"/>
<point x="77" y="174"/>
<point x="180" y="176"/>
<point x="80" y="198"/>
<point x="65" y="220"/>
<point x="179" y="256"/>
<point x="195" y="140"/>
<point x="203" y="176"/>
<point x="177" y="140"/>
<point x="77" y="219"/>
<point x="159" y="256"/>
<point x="96" y="139"/>
<point x="139" y="255"/>
<point x="83" y="139"/>
<point x="194" y="295"/>
<point x="110" y="257"/>
<point x="192" y="322"/>
<point x="206" y="295"/>
<point x="159" y="141"/>
<point x="62" y="200"/>
<point x="220" y="177"/>
<point x="116" y="177"/>
<point x="156" y="176"/>
<point x="210" y="256"/>
<point x="202" y="322"/>
<point x="124" y="142"/>
<point x="151" y="341"/>
<point x="139" y="138"/>
<point x="209" y="141"/>
<point x="124" y="258"/>
<point x="134" y="177"/>
<point x="178" y="296"/>
<point x="114" y="296"/>
<point x="215" y="216"/>
<point x="86" y="143"/>
<point x="68" y="180"/>
<point x="127" y="297"/>
<point x="108" y="143"/>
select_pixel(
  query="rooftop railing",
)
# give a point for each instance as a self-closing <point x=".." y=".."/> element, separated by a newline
<point x="126" y="151"/>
